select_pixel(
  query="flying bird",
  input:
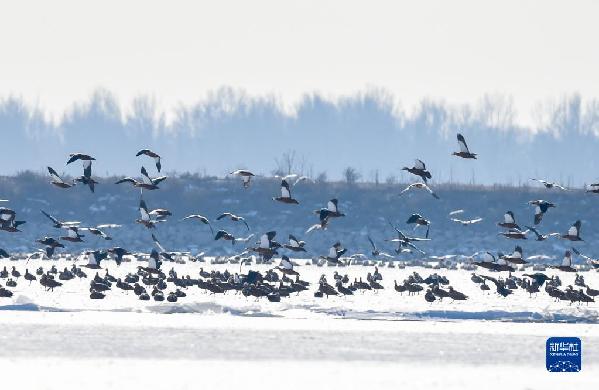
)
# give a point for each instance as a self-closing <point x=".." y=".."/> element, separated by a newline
<point x="85" y="158"/>
<point x="57" y="180"/>
<point x="573" y="233"/>
<point x="245" y="175"/>
<point x="285" y="194"/>
<point x="335" y="252"/>
<point x="60" y="224"/>
<point x="509" y="221"/>
<point x="541" y="207"/>
<point x="295" y="245"/>
<point x="566" y="265"/>
<point x="200" y="218"/>
<point x="233" y="217"/>
<point x="541" y="237"/>
<point x="72" y="234"/>
<point x="151" y="154"/>
<point x="419" y="186"/>
<point x="549" y="184"/>
<point x="224" y="235"/>
<point x="419" y="220"/>
<point x="467" y="222"/>
<point x="146" y="218"/>
<point x="464" y="151"/>
<point x="87" y="179"/>
<point x="419" y="169"/>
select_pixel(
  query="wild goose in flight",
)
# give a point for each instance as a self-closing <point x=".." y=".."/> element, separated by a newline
<point x="222" y="234"/>
<point x="590" y="260"/>
<point x="464" y="151"/>
<point x="96" y="232"/>
<point x="466" y="222"/>
<point x="286" y="266"/>
<point x="515" y="234"/>
<point x="145" y="184"/>
<point x="161" y="214"/>
<point x="233" y="217"/>
<point x="516" y="257"/>
<point x="335" y="252"/>
<point x="285" y="194"/>
<point x="332" y="210"/>
<point x="154" y="263"/>
<point x="146" y="218"/>
<point x="72" y="234"/>
<point x="594" y="188"/>
<point x="60" y="224"/>
<point x="419" y="220"/>
<point x="566" y="265"/>
<point x="80" y="156"/>
<point x="57" y="180"/>
<point x="245" y="175"/>
<point x="50" y="241"/>
<point x="87" y="179"/>
<point x="118" y="254"/>
<point x="154" y="155"/>
<point x="295" y="245"/>
<point x="509" y="221"/>
<point x="267" y="247"/>
<point x="94" y="258"/>
<point x="167" y="255"/>
<point x="8" y="220"/>
<point x="404" y="241"/>
<point x="541" y="207"/>
<point x="375" y="252"/>
<point x="200" y="218"/>
<point x="549" y="185"/>
<point x="541" y="237"/>
<point x="323" y="215"/>
<point x="419" y="169"/>
<point x="573" y="233"/>
<point x="419" y="186"/>
<point x="151" y="180"/>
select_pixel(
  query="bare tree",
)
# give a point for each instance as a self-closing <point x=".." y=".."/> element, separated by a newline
<point x="286" y="163"/>
<point x="391" y="179"/>
<point x="374" y="177"/>
<point x="322" y="177"/>
<point x="351" y="175"/>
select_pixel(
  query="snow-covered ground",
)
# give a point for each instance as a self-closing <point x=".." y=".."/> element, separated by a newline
<point x="370" y="340"/>
<point x="59" y="350"/>
<point x="386" y="304"/>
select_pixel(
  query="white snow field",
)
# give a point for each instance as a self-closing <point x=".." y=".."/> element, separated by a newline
<point x="63" y="340"/>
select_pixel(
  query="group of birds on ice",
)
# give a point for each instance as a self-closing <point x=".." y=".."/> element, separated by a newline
<point x="283" y="279"/>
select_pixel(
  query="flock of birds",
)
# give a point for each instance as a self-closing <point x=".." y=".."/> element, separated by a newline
<point x="283" y="279"/>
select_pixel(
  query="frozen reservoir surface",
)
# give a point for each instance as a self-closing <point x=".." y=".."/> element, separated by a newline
<point x="63" y="340"/>
<point x="63" y="350"/>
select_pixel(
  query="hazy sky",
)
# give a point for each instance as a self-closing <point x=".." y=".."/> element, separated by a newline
<point x="54" y="53"/>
